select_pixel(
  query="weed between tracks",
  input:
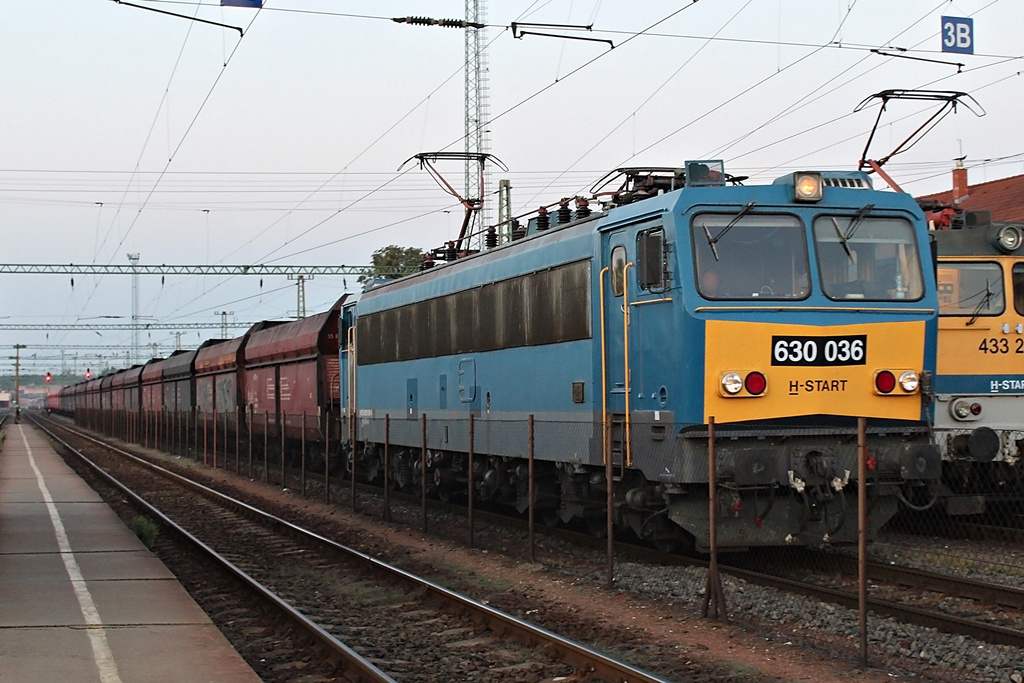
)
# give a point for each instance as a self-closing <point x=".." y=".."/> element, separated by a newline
<point x="146" y="530"/>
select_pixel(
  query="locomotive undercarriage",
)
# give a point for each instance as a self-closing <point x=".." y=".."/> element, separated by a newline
<point x="787" y="493"/>
<point x="970" y="484"/>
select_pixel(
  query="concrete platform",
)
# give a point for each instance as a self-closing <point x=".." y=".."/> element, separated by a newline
<point x="81" y="599"/>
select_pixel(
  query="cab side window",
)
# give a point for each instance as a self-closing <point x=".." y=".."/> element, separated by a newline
<point x="618" y="270"/>
<point x="651" y="256"/>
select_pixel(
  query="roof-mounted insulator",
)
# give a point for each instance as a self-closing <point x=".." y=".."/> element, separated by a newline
<point x="582" y="208"/>
<point x="543" y="220"/>
<point x="564" y="212"/>
<point x="443" y="23"/>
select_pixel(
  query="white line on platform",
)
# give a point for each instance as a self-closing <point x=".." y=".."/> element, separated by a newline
<point x="97" y="634"/>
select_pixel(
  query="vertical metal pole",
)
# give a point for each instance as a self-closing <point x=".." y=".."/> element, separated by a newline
<point x="471" y="483"/>
<point x="352" y="465"/>
<point x="714" y="596"/>
<point x="423" y="468"/>
<point x="281" y="427"/>
<point x="862" y="539"/>
<point x="302" y="465"/>
<point x="216" y="428"/>
<point x="239" y="414"/>
<point x="327" y="458"/>
<point x="609" y="479"/>
<point x="529" y="489"/>
<point x="206" y="425"/>
<point x="266" y="446"/>
<point x="252" y="416"/>
<point x="387" y="467"/>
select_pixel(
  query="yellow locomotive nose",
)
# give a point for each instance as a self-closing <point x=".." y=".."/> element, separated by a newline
<point x="863" y="370"/>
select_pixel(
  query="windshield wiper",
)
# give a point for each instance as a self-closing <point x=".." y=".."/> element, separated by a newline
<point x="712" y="241"/>
<point x="982" y="304"/>
<point x="855" y="223"/>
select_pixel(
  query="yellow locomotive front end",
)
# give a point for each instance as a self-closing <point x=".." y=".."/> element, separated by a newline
<point x="763" y="371"/>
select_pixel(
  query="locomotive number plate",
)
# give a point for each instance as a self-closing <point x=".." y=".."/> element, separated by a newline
<point x="820" y="351"/>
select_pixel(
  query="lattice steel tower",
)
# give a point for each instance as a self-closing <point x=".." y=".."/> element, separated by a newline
<point x="477" y="123"/>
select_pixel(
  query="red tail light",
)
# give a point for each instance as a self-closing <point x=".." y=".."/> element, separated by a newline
<point x="885" y="382"/>
<point x="755" y="383"/>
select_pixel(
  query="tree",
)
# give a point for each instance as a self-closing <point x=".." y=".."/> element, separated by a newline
<point x="393" y="261"/>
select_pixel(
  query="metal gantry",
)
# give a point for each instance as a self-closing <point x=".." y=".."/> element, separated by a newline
<point x="165" y="269"/>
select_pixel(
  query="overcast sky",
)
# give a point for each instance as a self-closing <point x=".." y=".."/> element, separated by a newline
<point x="130" y="131"/>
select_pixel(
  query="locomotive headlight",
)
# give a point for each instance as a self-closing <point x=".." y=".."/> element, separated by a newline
<point x="732" y="383"/>
<point x="1009" y="238"/>
<point x="962" y="410"/>
<point x="909" y="381"/>
<point x="807" y="186"/>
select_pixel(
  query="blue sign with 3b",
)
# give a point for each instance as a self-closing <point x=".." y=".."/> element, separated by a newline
<point x="958" y="35"/>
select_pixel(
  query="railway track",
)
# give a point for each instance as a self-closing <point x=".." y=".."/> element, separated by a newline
<point x="396" y="622"/>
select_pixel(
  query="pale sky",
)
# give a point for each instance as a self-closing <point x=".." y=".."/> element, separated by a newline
<point x="130" y="131"/>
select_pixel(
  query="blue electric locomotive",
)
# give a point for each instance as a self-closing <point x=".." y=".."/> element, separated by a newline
<point x="781" y="311"/>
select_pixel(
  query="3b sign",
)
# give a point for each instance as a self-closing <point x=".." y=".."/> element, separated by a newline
<point x="958" y="35"/>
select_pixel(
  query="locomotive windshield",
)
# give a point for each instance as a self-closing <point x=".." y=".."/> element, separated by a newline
<point x="1018" y="287"/>
<point x="754" y="257"/>
<point x="869" y="258"/>
<point x="972" y="289"/>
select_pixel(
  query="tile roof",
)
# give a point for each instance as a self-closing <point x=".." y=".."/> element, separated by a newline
<point x="1003" y="197"/>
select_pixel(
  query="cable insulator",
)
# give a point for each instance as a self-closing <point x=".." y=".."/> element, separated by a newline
<point x="518" y="231"/>
<point x="491" y="239"/>
<point x="543" y="219"/>
<point x="564" y="212"/>
<point x="582" y="208"/>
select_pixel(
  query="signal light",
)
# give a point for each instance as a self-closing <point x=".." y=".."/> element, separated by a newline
<point x="49" y="377"/>
<point x="88" y="373"/>
<point x="885" y="382"/>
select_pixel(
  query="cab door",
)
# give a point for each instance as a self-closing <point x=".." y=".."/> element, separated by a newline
<point x="615" y="275"/>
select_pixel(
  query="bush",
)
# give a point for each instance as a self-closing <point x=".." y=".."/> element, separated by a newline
<point x="146" y="529"/>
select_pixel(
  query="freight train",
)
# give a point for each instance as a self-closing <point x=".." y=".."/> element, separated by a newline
<point x="780" y="312"/>
<point x="276" y="384"/>
<point x="979" y="380"/>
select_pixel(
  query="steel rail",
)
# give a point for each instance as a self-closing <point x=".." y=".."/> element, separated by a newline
<point x="580" y="656"/>
<point x="352" y="661"/>
<point x="913" y="615"/>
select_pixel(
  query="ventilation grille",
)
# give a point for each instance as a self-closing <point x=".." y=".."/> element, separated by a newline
<point x="856" y="183"/>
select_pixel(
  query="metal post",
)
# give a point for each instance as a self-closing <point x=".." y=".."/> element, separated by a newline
<point x="239" y="413"/>
<point x="206" y="428"/>
<point x="529" y="488"/>
<point x="252" y="421"/>
<point x="387" y="467"/>
<point x="352" y="467"/>
<point x="714" y="596"/>
<point x="216" y="426"/>
<point x="280" y="425"/>
<point x="327" y="458"/>
<point x="862" y="539"/>
<point x="423" y="468"/>
<point x="470" y="487"/>
<point x="302" y="464"/>
<point x="609" y="479"/>
<point x="266" y="446"/>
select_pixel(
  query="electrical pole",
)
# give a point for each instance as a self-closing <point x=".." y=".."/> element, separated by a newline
<point x="224" y="322"/>
<point x="300" y="283"/>
<point x="477" y="140"/>
<point x="17" y="373"/>
<point x="134" y="259"/>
